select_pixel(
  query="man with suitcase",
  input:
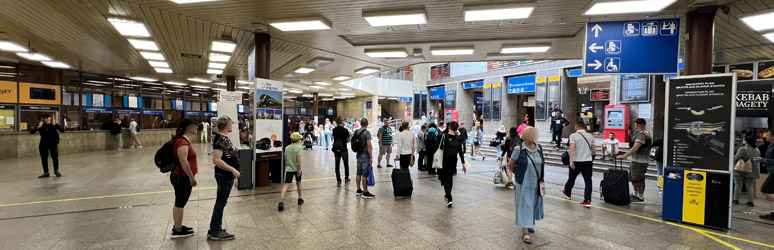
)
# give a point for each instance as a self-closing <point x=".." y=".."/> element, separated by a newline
<point x="582" y="153"/>
<point x="640" y="153"/>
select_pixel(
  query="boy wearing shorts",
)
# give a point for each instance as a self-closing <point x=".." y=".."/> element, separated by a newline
<point x="293" y="154"/>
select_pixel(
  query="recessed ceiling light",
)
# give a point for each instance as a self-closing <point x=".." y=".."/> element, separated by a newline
<point x="214" y="65"/>
<point x="298" y="25"/>
<point x="192" y="1"/>
<point x="221" y="84"/>
<point x="395" y="18"/>
<point x="297" y="91"/>
<point x="346" y="94"/>
<point x="317" y="87"/>
<point x="200" y="87"/>
<point x="243" y="82"/>
<point x="158" y="64"/>
<point x="32" y="56"/>
<point x="499" y="12"/>
<point x="345" y="89"/>
<point x="12" y="47"/>
<point x="214" y="71"/>
<point x="770" y="36"/>
<point x="99" y="82"/>
<point x="504" y="57"/>
<point x="307" y="95"/>
<point x="303" y="70"/>
<point x="91" y="84"/>
<point x="144" y="79"/>
<point x="176" y="83"/>
<point x="451" y="51"/>
<point x="759" y="21"/>
<point x="55" y="64"/>
<point x="327" y="99"/>
<point x="386" y="52"/>
<point x="129" y="27"/>
<point x="144" y="44"/>
<point x="201" y="80"/>
<point x="325" y="94"/>
<point x="341" y="78"/>
<point x="367" y="70"/>
<point x="152" y="56"/>
<point x="215" y="57"/>
<point x="163" y="70"/>
<point x="524" y="49"/>
<point x="243" y="87"/>
<point x="220" y="89"/>
<point x="605" y="7"/>
<point x="322" y="83"/>
<point x="223" y="46"/>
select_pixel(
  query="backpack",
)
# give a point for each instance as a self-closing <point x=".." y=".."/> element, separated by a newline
<point x="200" y="127"/>
<point x="431" y="141"/>
<point x="165" y="156"/>
<point x="338" y="146"/>
<point x="357" y="141"/>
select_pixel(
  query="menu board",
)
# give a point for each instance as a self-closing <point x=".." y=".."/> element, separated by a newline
<point x="700" y="119"/>
<point x="766" y="70"/>
<point x="743" y="71"/>
<point x="600" y="95"/>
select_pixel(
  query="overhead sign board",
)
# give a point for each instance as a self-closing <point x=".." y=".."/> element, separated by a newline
<point x="521" y="84"/>
<point x="632" y="47"/>
<point x="437" y="93"/>
<point x="405" y="99"/>
<point x="472" y="85"/>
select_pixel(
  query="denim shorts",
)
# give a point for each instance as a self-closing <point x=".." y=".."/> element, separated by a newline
<point x="363" y="163"/>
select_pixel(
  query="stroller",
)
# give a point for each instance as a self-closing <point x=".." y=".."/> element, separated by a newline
<point x="308" y="141"/>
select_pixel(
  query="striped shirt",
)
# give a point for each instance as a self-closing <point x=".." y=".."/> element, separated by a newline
<point x="386" y="135"/>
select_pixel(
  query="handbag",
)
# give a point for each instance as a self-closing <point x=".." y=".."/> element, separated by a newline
<point x="504" y="175"/>
<point x="371" y="181"/>
<point x="495" y="142"/>
<point x="498" y="178"/>
<point x="438" y="156"/>
<point x="743" y="165"/>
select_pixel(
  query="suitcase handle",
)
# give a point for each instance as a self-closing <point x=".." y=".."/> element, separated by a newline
<point x="616" y="161"/>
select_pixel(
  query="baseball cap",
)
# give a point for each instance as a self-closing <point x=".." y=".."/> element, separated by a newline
<point x="295" y="136"/>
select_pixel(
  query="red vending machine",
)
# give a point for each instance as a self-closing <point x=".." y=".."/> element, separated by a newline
<point x="617" y="121"/>
<point x="450" y="115"/>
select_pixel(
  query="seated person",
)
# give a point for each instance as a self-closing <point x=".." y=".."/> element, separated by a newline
<point x="610" y="146"/>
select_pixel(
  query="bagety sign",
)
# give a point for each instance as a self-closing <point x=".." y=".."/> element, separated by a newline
<point x="752" y="100"/>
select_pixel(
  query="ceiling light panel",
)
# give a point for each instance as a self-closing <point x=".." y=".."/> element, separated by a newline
<point x="200" y="87"/>
<point x="303" y="70"/>
<point x="395" y="18"/>
<point x="144" y="44"/>
<point x="318" y="62"/>
<point x="12" y="47"/>
<point x="341" y="78"/>
<point x="386" y="52"/>
<point x="500" y="12"/>
<point x="192" y="1"/>
<point x="221" y="84"/>
<point x="163" y="70"/>
<point x="325" y="94"/>
<point x="214" y="65"/>
<point x="610" y="7"/>
<point x="216" y="57"/>
<point x="152" y="56"/>
<point x="158" y="64"/>
<point x="451" y="51"/>
<point x="144" y="79"/>
<point x="201" y="80"/>
<point x="34" y="56"/>
<point x="367" y="70"/>
<point x="322" y="83"/>
<point x="176" y="83"/>
<point x="55" y="64"/>
<point x="524" y="49"/>
<point x="129" y="27"/>
<point x="299" y="25"/>
<point x="297" y="91"/>
<point x="243" y="82"/>
<point x="214" y="71"/>
<point x="759" y="21"/>
<point x="770" y="36"/>
<point x="317" y="87"/>
<point x="243" y="87"/>
<point x="223" y="46"/>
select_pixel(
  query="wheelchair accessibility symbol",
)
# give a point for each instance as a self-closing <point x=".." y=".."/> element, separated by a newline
<point x="612" y="64"/>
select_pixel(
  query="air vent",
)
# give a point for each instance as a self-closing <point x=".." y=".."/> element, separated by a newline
<point x="194" y="56"/>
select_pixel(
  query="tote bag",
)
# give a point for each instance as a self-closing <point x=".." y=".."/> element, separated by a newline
<point x="438" y="156"/>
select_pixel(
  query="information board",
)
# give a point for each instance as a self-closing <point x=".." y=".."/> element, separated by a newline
<point x="521" y="84"/>
<point x="599" y="95"/>
<point x="472" y="85"/>
<point x="437" y="93"/>
<point x="635" y="88"/>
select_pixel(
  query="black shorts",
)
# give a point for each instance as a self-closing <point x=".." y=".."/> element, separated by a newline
<point x="475" y="143"/>
<point x="289" y="177"/>
<point x="182" y="185"/>
<point x="768" y="185"/>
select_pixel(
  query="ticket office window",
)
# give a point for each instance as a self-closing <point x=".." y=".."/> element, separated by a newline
<point x="172" y="118"/>
<point x="71" y="108"/>
<point x="29" y="118"/>
<point x="126" y="118"/>
<point x="97" y="121"/>
<point x="7" y="118"/>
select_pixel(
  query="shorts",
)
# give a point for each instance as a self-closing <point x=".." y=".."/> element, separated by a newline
<point x="289" y="177"/>
<point x="182" y="185"/>
<point x="363" y="164"/>
<point x="385" y="149"/>
<point x="768" y="185"/>
<point x="637" y="172"/>
<point x="476" y="144"/>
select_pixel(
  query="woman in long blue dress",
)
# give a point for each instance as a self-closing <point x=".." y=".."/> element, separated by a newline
<point x="527" y="166"/>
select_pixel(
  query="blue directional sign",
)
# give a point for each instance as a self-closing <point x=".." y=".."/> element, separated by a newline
<point x="638" y="47"/>
<point x="472" y="85"/>
<point x="521" y="84"/>
<point x="405" y="99"/>
<point x="437" y="93"/>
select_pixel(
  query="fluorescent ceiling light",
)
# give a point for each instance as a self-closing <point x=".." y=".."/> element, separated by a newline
<point x="221" y="84"/>
<point x="345" y="89"/>
<point x="100" y="82"/>
<point x="214" y="71"/>
<point x="303" y="70"/>
<point x="504" y="57"/>
<point x="386" y="52"/>
<point x="176" y="83"/>
<point x="12" y="47"/>
<point x="243" y="82"/>
<point x="500" y="12"/>
<point x="307" y="24"/>
<point x="220" y="89"/>
<point x="451" y="51"/>
<point x="307" y="95"/>
<point x="327" y="99"/>
<point x="770" y="36"/>
<point x="119" y="79"/>
<point x="144" y="44"/>
<point x="34" y="56"/>
<point x="758" y="21"/>
<point x="129" y="27"/>
<point x="200" y="87"/>
<point x="317" y="87"/>
<point x="341" y="78"/>
<point x="215" y="57"/>
<point x="163" y="70"/>
<point x="367" y="70"/>
<point x="319" y="62"/>
<point x="144" y="79"/>
<point x="608" y="7"/>
<point x="201" y="80"/>
<point x="325" y="94"/>
<point x="342" y="97"/>
<point x="395" y="18"/>
<point x="297" y="91"/>
<point x="55" y="64"/>
<point x="93" y="84"/>
<point x="346" y="94"/>
<point x="214" y="65"/>
<point x="524" y="49"/>
<point x="152" y="56"/>
<point x="158" y="64"/>
<point x="322" y="83"/>
<point x="192" y="1"/>
<point x="223" y="46"/>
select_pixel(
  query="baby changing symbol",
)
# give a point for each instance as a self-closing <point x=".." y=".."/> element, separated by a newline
<point x="612" y="47"/>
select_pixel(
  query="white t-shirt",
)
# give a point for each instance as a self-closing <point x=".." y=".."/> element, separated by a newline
<point x="132" y="127"/>
<point x="611" y="145"/>
<point x="415" y="129"/>
<point x="582" y="149"/>
<point x="405" y="142"/>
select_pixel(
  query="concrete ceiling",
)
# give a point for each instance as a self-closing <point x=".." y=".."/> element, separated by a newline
<point x="77" y="32"/>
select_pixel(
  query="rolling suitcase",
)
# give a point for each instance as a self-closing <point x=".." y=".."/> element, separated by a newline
<point x="615" y="185"/>
<point x="402" y="185"/>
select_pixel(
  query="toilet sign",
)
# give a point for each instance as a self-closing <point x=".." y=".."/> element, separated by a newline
<point x="639" y="47"/>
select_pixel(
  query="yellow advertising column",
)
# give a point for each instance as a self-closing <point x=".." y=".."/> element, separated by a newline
<point x="694" y="193"/>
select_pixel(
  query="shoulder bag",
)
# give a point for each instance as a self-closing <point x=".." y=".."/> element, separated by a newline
<point x="743" y="165"/>
<point x="438" y="156"/>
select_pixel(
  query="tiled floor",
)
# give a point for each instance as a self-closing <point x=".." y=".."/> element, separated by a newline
<point x="118" y="200"/>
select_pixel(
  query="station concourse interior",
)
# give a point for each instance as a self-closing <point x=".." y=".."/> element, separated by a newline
<point x="102" y="93"/>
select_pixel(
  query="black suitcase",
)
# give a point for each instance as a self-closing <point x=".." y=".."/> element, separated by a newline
<point x="615" y="185"/>
<point x="402" y="185"/>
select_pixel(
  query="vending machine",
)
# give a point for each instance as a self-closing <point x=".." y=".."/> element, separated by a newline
<point x="450" y="115"/>
<point x="617" y="121"/>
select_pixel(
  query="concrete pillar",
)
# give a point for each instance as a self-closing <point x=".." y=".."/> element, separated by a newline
<point x="262" y="55"/>
<point x="230" y="83"/>
<point x="569" y="102"/>
<point x="659" y="103"/>
<point x="374" y="119"/>
<point x="314" y="105"/>
<point x="700" y="25"/>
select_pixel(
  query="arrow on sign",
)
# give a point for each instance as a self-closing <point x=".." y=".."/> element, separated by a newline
<point x="594" y="47"/>
<point x="596" y="64"/>
<point x="596" y="30"/>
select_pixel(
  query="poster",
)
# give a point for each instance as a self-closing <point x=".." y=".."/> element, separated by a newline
<point x="694" y="197"/>
<point x="450" y="101"/>
<point x="98" y="100"/>
<point x="744" y="71"/>
<point x="133" y="102"/>
<point x="766" y="70"/>
<point x="541" y="109"/>
<point x="643" y="111"/>
<point x="268" y="120"/>
<point x="554" y="91"/>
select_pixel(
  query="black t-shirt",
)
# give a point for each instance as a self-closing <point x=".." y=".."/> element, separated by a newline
<point x="340" y="134"/>
<point x="229" y="153"/>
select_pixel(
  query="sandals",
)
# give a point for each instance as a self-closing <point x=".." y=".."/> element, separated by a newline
<point x="526" y="238"/>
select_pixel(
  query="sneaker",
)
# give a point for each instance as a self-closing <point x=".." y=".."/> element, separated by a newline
<point x="586" y="204"/>
<point x="281" y="206"/>
<point x="566" y="196"/>
<point x="368" y="195"/>
<point x="189" y="229"/>
<point x="57" y="174"/>
<point x="483" y="157"/>
<point x="44" y="175"/>
<point x="359" y="192"/>
<point x="767" y="216"/>
<point x="338" y="184"/>
<point x="131" y="147"/>
<point x="510" y="184"/>
<point x="449" y="204"/>
<point x="389" y="166"/>
<point x="300" y="201"/>
<point x="636" y="198"/>
<point x="219" y="235"/>
<point x="379" y="166"/>
<point x="139" y="146"/>
<point x="347" y="180"/>
<point x="181" y="234"/>
<point x="750" y="204"/>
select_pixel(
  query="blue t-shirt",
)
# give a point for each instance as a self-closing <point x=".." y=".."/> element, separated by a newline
<point x="386" y="135"/>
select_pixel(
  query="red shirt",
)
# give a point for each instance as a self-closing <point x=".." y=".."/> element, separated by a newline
<point x="191" y="158"/>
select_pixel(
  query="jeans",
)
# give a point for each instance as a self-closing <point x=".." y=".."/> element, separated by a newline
<point x="45" y="149"/>
<point x="585" y="169"/>
<point x="342" y="156"/>
<point x="748" y="185"/>
<point x="326" y="139"/>
<point x="499" y="149"/>
<point x="420" y="161"/>
<point x="405" y="161"/>
<point x="557" y="136"/>
<point x="363" y="163"/>
<point x="119" y="141"/>
<point x="660" y="168"/>
<point x="225" y="182"/>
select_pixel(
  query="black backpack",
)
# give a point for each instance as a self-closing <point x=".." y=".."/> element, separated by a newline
<point x="165" y="156"/>
<point x="357" y="141"/>
<point x="431" y="141"/>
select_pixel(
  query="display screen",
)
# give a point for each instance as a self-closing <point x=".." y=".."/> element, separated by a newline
<point x="540" y="99"/>
<point x="450" y="99"/>
<point x="635" y="88"/>
<point x="600" y="95"/>
<point x="42" y="94"/>
<point x="440" y="71"/>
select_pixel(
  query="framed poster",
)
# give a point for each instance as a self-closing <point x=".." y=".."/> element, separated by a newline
<point x="744" y="71"/>
<point x="541" y="108"/>
<point x="450" y="101"/>
<point x="765" y="70"/>
<point x="635" y="88"/>
<point x="555" y="91"/>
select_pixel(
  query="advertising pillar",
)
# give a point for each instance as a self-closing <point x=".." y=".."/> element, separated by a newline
<point x="268" y="132"/>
